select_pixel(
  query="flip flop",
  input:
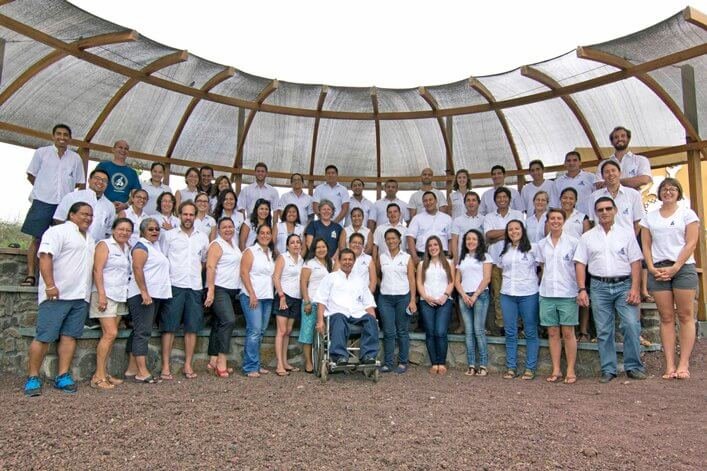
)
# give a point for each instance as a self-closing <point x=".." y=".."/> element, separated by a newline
<point x="671" y="375"/>
<point x="167" y="377"/>
<point x="253" y="374"/>
<point x="684" y="374"/>
<point x="293" y="369"/>
<point x="29" y="281"/>
<point x="552" y="378"/>
<point x="146" y="380"/>
<point x="282" y="373"/>
<point x="570" y="379"/>
<point x="190" y="375"/>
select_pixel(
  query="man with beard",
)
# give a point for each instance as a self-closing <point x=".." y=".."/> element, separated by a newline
<point x="635" y="169"/>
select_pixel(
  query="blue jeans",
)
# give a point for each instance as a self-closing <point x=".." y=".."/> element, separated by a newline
<point x="436" y="321"/>
<point x="527" y="307"/>
<point x="474" y="318"/>
<point x="256" y="321"/>
<point x="339" y="326"/>
<point x="605" y="298"/>
<point x="396" y="326"/>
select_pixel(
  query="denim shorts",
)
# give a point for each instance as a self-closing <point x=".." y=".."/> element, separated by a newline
<point x="39" y="218"/>
<point x="685" y="278"/>
<point x="184" y="307"/>
<point x="294" y="306"/>
<point x="558" y="311"/>
<point x="60" y="317"/>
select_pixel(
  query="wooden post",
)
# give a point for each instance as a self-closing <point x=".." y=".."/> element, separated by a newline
<point x="237" y="177"/>
<point x="694" y="165"/>
<point x="450" y="171"/>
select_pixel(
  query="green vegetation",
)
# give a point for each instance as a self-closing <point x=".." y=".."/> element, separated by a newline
<point x="10" y="233"/>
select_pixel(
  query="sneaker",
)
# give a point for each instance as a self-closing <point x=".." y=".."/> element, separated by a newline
<point x="65" y="383"/>
<point x="636" y="374"/>
<point x="386" y="369"/>
<point x="606" y="378"/>
<point x="33" y="386"/>
<point x="368" y="360"/>
<point x="401" y="369"/>
<point x="343" y="361"/>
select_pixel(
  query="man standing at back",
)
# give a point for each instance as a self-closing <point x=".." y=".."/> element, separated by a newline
<point x="635" y="169"/>
<point x="206" y="179"/>
<point x="333" y="191"/>
<point x="298" y="197"/>
<point x="416" y="205"/>
<point x="574" y="177"/>
<point x="53" y="172"/>
<point x="357" y="200"/>
<point x="103" y="210"/>
<point x="488" y="202"/>
<point x="122" y="180"/>
<point x="391" y="196"/>
<point x="257" y="190"/>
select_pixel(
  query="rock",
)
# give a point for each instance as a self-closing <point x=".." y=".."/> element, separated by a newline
<point x="590" y="452"/>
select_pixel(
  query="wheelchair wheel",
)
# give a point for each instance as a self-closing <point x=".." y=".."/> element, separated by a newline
<point x="323" y="372"/>
<point x="318" y="353"/>
<point x="376" y="376"/>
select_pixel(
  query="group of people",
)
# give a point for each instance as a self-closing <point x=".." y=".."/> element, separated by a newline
<point x="122" y="246"/>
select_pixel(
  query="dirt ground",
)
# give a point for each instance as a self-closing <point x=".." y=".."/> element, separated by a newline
<point x="411" y="421"/>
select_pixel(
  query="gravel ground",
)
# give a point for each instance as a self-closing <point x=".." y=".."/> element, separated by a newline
<point x="411" y="421"/>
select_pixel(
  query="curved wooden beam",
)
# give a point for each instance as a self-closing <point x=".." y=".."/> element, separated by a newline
<point x="647" y="80"/>
<point x="56" y="55"/>
<point x="488" y="96"/>
<point x="696" y="17"/>
<point x="262" y="96"/>
<point x="225" y="74"/>
<point x="315" y="134"/>
<point x="161" y="63"/>
<point x="427" y="96"/>
<point x="595" y="82"/>
<point x="552" y="84"/>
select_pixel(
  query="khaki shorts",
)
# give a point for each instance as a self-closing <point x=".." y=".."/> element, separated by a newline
<point x="113" y="309"/>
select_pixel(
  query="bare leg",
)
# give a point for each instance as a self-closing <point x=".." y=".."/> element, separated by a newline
<point x="141" y="365"/>
<point x="307" y="353"/>
<point x="132" y="366"/>
<point x="32" y="257"/>
<point x="279" y="341"/>
<point x="584" y="323"/>
<point x="221" y="362"/>
<point x="570" y="342"/>
<point x="66" y="349"/>
<point x="286" y="343"/>
<point x="167" y="341"/>
<point x="109" y="325"/>
<point x="189" y="346"/>
<point x="555" y="349"/>
<point x="684" y="299"/>
<point x="666" y="309"/>
<point x="37" y="352"/>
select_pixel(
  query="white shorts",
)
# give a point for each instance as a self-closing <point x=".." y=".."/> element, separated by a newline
<point x="113" y="309"/>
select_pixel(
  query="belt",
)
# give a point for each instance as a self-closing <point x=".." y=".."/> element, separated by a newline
<point x="664" y="263"/>
<point x="612" y="280"/>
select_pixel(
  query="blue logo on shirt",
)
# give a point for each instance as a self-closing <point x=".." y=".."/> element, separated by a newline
<point x="622" y="251"/>
<point x="672" y="223"/>
<point x="567" y="257"/>
<point x="119" y="181"/>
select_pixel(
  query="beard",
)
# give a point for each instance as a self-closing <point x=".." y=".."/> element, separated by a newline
<point x="621" y="146"/>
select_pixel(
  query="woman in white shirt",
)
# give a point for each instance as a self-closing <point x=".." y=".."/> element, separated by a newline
<point x="203" y="222"/>
<point x="558" y="294"/>
<point x="222" y="289"/>
<point x="290" y="223"/>
<point x="669" y="239"/>
<point x="257" y="268"/>
<point x="149" y="291"/>
<point x="535" y="222"/>
<point x="136" y="213"/>
<point x="288" y="269"/>
<point x="363" y="266"/>
<point x="455" y="201"/>
<point x="261" y="216"/>
<point x="397" y="297"/>
<point x="435" y="283"/>
<point x="519" y="296"/>
<point x="111" y="272"/>
<point x="166" y="208"/>
<point x="357" y="227"/>
<point x="317" y="264"/>
<point x="154" y="187"/>
<point x="472" y="281"/>
<point x="222" y="183"/>
<point x="191" y="178"/>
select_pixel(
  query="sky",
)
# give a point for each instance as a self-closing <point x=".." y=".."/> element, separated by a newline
<point x="397" y="44"/>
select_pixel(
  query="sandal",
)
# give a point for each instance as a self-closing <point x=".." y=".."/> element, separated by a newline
<point x="528" y="375"/>
<point x="471" y="371"/>
<point x="482" y="371"/>
<point x="253" y="374"/>
<point x="101" y="384"/>
<point x="263" y="371"/>
<point x="282" y="373"/>
<point x="165" y="377"/>
<point x="509" y="374"/>
<point x="552" y="378"/>
<point x="190" y="375"/>
<point x="146" y="380"/>
<point x="570" y="379"/>
<point x="644" y="342"/>
<point x="292" y="369"/>
<point x="29" y="280"/>
<point x="683" y="374"/>
<point x="583" y="337"/>
<point x="670" y="375"/>
<point x="114" y="381"/>
<point x="212" y="368"/>
<point x="648" y="298"/>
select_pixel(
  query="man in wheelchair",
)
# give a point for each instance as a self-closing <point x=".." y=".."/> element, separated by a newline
<point x="346" y="300"/>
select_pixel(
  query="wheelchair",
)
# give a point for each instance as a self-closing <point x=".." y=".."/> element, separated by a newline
<point x="323" y="364"/>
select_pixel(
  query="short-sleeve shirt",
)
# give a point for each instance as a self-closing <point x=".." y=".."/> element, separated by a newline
<point x="628" y="204"/>
<point x="382" y="210"/>
<point x="583" y="183"/>
<point x="122" y="180"/>
<point x="253" y="192"/>
<point x="368" y="208"/>
<point x="103" y="211"/>
<point x="330" y="234"/>
<point x="608" y="254"/>
<point x="668" y="233"/>
<point x="416" y="200"/>
<point x="338" y="195"/>
<point x="488" y="204"/>
<point x="520" y="276"/>
<point x="425" y="225"/>
<point x="472" y="271"/>
<point x="574" y="224"/>
<point x="54" y="176"/>
<point x="535" y="227"/>
<point x="318" y="272"/>
<point x="494" y="221"/>
<point x="632" y="165"/>
<point x="379" y="237"/>
<point x="529" y="190"/>
<point x="559" y="279"/>
<point x="463" y="224"/>
<point x="342" y="294"/>
<point x="303" y="203"/>
<point x="153" y="192"/>
<point x="186" y="254"/>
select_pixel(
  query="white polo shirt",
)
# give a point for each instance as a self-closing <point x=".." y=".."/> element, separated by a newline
<point x="457" y="200"/>
<point x="583" y="183"/>
<point x="368" y="208"/>
<point x="303" y="203"/>
<point x="472" y="271"/>
<point x="668" y="234"/>
<point x="520" y="277"/>
<point x="130" y="214"/>
<point x="488" y="204"/>
<point x="363" y="230"/>
<point x="337" y="194"/>
<point x="253" y="192"/>
<point x="186" y="194"/>
<point x="291" y="272"/>
<point x="54" y="176"/>
<point x="529" y="190"/>
<point x="186" y="254"/>
<point x="379" y="236"/>
<point x="574" y="224"/>
<point x="153" y="192"/>
<point x="494" y="221"/>
<point x="463" y="224"/>
<point x="535" y="227"/>
<point x="155" y="271"/>
<point x="436" y="280"/>
<point x="559" y="277"/>
<point x="228" y="268"/>
<point x="283" y="234"/>
<point x="416" y="200"/>
<point x="205" y="225"/>
<point x="632" y="165"/>
<point x="317" y="274"/>
<point x="342" y="294"/>
<point x="361" y="266"/>
<point x="72" y="261"/>
<point x="103" y="211"/>
<point x="424" y="225"/>
<point x="261" y="272"/>
<point x="608" y="254"/>
<point x="629" y="205"/>
<point x="382" y="210"/>
<point x="394" y="274"/>
<point x="116" y="271"/>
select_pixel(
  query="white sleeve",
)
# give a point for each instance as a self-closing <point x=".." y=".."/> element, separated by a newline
<point x="51" y="242"/>
<point x="634" y="252"/>
<point x="322" y="294"/>
<point x="316" y="196"/>
<point x="638" y="210"/>
<point x="644" y="167"/>
<point x="581" y="255"/>
<point x="80" y="175"/>
<point x="62" y="210"/>
<point x="35" y="164"/>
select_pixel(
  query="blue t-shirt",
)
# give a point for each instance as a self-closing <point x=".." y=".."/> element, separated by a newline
<point x="330" y="234"/>
<point x="122" y="180"/>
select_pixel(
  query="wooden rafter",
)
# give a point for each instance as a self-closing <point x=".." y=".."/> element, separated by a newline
<point x="549" y="82"/>
<point x="595" y="82"/>
<point x="647" y="80"/>
<point x="151" y="68"/>
<point x="374" y="102"/>
<point x="427" y="96"/>
<point x="696" y="17"/>
<point x="488" y="96"/>
<point x="56" y="55"/>
<point x="315" y="133"/>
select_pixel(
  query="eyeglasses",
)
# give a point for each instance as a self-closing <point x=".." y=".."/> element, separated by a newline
<point x="140" y="197"/>
<point x="153" y="229"/>
<point x="100" y="179"/>
<point x="605" y="210"/>
<point x="669" y="189"/>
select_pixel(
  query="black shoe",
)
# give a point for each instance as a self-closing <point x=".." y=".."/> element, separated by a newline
<point x="368" y="360"/>
<point x="606" y="378"/>
<point x="636" y="374"/>
<point x="343" y="361"/>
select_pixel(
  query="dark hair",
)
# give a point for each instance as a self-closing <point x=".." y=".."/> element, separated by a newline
<point x="293" y="176"/>
<point x="604" y="199"/>
<point x="357" y="180"/>
<point x="502" y="189"/>
<point x="357" y="235"/>
<point x="356" y="209"/>
<point x="186" y="203"/>
<point x="155" y="164"/>
<point x="391" y="180"/>
<point x="218" y="210"/>
<point x="254" y="214"/>
<point x="393" y="231"/>
<point x="206" y="167"/>
<point x="556" y="210"/>
<point x="287" y="241"/>
<point x="98" y="170"/>
<point x="468" y="178"/>
<point x="283" y="216"/>
<point x="260" y="165"/>
<point x="225" y="219"/>
<point x="342" y="252"/>
<point x="396" y="205"/>
<point x="61" y="126"/>
<point x="427" y="259"/>
<point x="673" y="182"/>
<point x="619" y="128"/>
<point x="609" y="162"/>
<point x="140" y="190"/>
<point x="524" y="243"/>
<point x="573" y="152"/>
<point x="571" y="190"/>
<point x="480" y="251"/>
<point x="333" y="167"/>
<point x="499" y="167"/>
<point x="536" y="162"/>
<point x="214" y="188"/>
<point x="159" y="202"/>
<point x="428" y="192"/>
<point x="190" y="170"/>
<point x="77" y="206"/>
<point x="474" y="194"/>
<point x="271" y="245"/>
<point x="309" y="254"/>
<point x="118" y="221"/>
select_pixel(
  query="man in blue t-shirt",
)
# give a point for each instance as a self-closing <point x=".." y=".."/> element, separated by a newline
<point x="122" y="179"/>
